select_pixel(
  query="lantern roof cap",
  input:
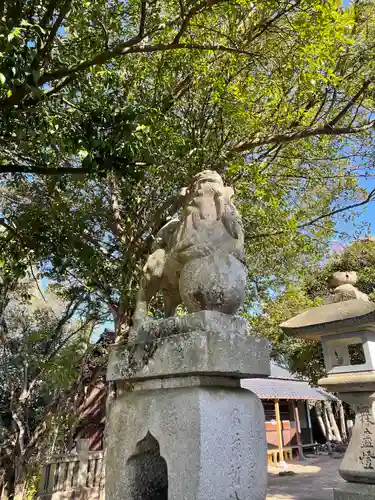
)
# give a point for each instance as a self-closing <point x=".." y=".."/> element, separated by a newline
<point x="329" y="319"/>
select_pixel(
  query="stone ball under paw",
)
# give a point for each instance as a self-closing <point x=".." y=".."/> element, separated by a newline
<point x="215" y="282"/>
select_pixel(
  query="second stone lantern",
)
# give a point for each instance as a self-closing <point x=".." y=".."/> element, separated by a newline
<point x="345" y="325"/>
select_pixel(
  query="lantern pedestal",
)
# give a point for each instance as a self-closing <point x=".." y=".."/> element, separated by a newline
<point x="347" y="333"/>
<point x="358" y="464"/>
<point x="351" y="491"/>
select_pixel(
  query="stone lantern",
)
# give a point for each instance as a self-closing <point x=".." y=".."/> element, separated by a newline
<point x="345" y="325"/>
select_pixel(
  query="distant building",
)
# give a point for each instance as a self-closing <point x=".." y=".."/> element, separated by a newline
<point x="93" y="405"/>
<point x="288" y="403"/>
<point x="290" y="425"/>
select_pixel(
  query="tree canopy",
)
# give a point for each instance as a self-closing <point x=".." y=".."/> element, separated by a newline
<point x="43" y="352"/>
<point x="108" y="108"/>
<point x="256" y="76"/>
<point x="306" y="357"/>
<point x="214" y="80"/>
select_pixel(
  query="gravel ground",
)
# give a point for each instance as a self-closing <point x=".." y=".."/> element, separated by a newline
<point x="314" y="480"/>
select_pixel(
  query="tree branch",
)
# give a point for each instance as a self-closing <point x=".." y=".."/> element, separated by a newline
<point x="33" y="169"/>
<point x="142" y="20"/>
<point x="60" y="18"/>
<point x="21" y="432"/>
<point x="42" y="427"/>
<point x="264" y="26"/>
<point x="199" y="7"/>
<point x="6" y="226"/>
<point x="133" y="46"/>
<point x="337" y="211"/>
<point x="115" y="209"/>
<point x="48" y="13"/>
<point x="320" y="108"/>
<point x="40" y="170"/>
<point x="36" y="282"/>
<point x="350" y="103"/>
<point x="340" y="210"/>
<point x="303" y="134"/>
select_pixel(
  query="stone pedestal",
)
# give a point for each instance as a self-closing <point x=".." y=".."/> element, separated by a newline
<point x="353" y="491"/>
<point x="181" y="427"/>
<point x="358" y="389"/>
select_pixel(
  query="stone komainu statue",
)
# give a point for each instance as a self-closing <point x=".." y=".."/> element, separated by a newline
<point x="197" y="260"/>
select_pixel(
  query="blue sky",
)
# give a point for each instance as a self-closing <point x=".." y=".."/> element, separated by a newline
<point x="364" y="222"/>
<point x="368" y="214"/>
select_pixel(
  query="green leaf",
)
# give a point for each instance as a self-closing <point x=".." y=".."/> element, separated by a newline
<point x="25" y="23"/>
<point x="15" y="33"/>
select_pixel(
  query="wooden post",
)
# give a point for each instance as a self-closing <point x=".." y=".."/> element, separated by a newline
<point x="350" y="424"/>
<point x="70" y="475"/>
<point x="43" y="482"/>
<point x="298" y="429"/>
<point x="279" y="430"/>
<point x="327" y="423"/>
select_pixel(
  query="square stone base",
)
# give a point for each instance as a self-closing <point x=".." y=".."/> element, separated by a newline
<point x="203" y="442"/>
<point x="354" y="491"/>
<point x="202" y="343"/>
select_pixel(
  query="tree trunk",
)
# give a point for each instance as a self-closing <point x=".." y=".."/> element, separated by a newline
<point x="318" y="410"/>
<point x="342" y="422"/>
<point x="20" y="482"/>
<point x="4" y="491"/>
<point x="335" y="429"/>
<point x="8" y="486"/>
<point x="327" y="425"/>
<point x="328" y="430"/>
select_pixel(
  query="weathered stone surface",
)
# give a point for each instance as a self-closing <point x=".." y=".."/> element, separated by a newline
<point x="343" y="287"/>
<point x="345" y="292"/>
<point x="342" y="278"/>
<point x="339" y="325"/>
<point x="212" y="344"/>
<point x="180" y="382"/>
<point x="337" y="358"/>
<point x="352" y="491"/>
<point x="191" y="443"/>
<point x="325" y="320"/>
<point x="203" y="321"/>
<point x="181" y="427"/>
<point x="197" y="259"/>
<point x="215" y="282"/>
<point x="346" y="383"/>
<point x="77" y="494"/>
<point x="358" y="464"/>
